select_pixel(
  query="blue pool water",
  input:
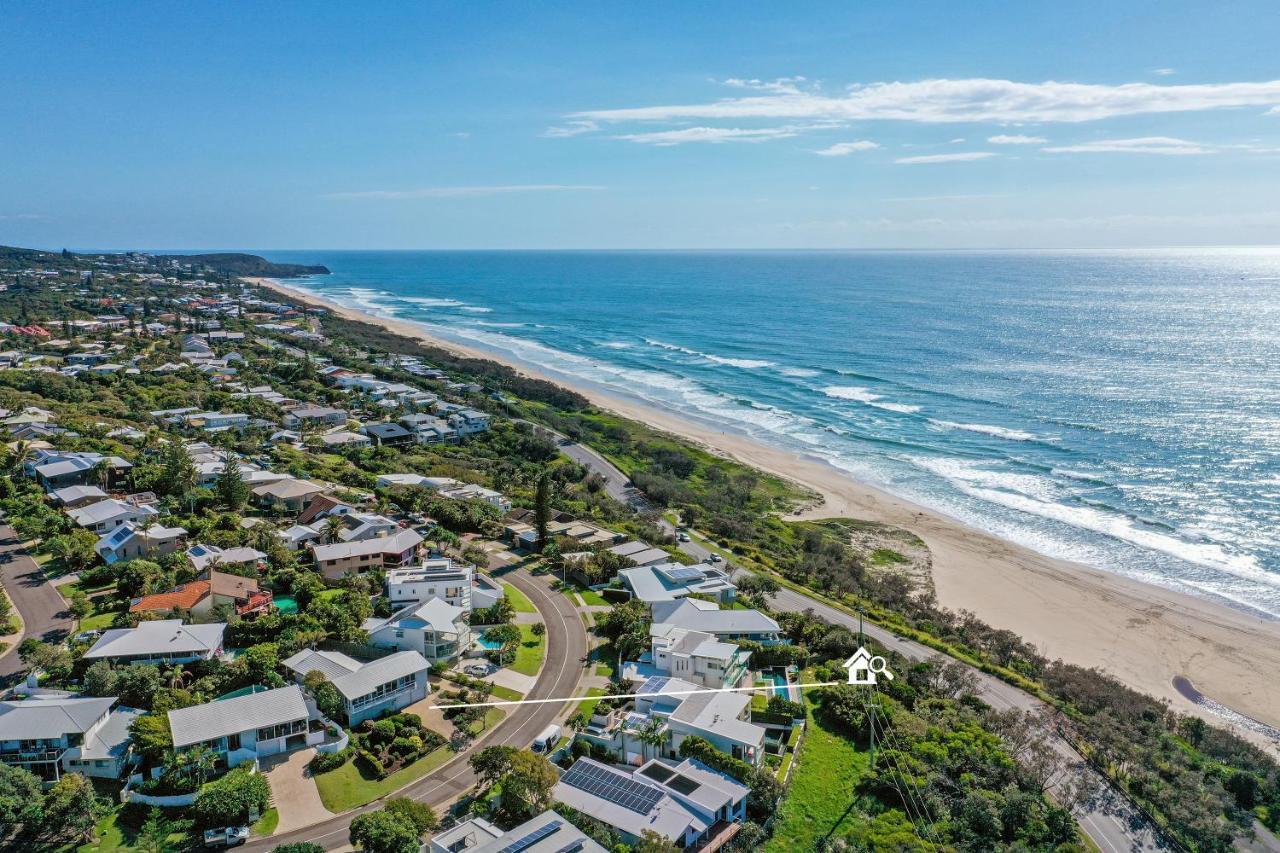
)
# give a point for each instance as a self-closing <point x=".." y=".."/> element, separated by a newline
<point x="484" y="642"/>
<point x="1117" y="408"/>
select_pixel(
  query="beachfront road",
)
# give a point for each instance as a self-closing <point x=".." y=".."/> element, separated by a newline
<point x="1109" y="819"/>
<point x="566" y="654"/>
<point x="44" y="613"/>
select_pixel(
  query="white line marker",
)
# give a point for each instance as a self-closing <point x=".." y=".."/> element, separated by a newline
<point x="634" y="695"/>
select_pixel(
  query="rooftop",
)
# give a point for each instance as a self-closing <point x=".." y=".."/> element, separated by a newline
<point x="239" y="714"/>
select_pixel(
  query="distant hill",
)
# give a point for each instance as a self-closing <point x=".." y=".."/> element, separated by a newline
<point x="235" y="263"/>
<point x="227" y="263"/>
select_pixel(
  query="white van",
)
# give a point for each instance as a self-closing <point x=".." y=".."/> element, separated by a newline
<point x="547" y="741"/>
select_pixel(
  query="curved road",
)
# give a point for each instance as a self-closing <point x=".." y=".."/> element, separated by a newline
<point x="563" y="667"/>
<point x="44" y="613"/>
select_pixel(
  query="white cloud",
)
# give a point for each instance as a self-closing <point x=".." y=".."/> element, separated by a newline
<point x="715" y="135"/>
<point x="1015" y="139"/>
<point x="1274" y="111"/>
<point x="1139" y="145"/>
<point x="967" y="100"/>
<point x="1164" y="72"/>
<point x="573" y="128"/>
<point x="959" y="157"/>
<point x="841" y="149"/>
<point x="788" y="85"/>
<point x="957" y="141"/>
<point x="463" y="192"/>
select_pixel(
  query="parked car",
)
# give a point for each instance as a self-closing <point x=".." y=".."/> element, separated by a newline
<point x="226" y="836"/>
<point x="682" y="537"/>
<point x="714" y="558"/>
<point x="476" y="670"/>
<point x="547" y="741"/>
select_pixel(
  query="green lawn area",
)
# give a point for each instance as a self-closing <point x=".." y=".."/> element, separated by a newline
<point x="491" y="718"/>
<point x="347" y="787"/>
<point x="822" y="790"/>
<point x="605" y="669"/>
<point x="98" y="621"/>
<point x="587" y="706"/>
<point x="114" y="836"/>
<point x="506" y="693"/>
<point x="326" y="594"/>
<point x="531" y="651"/>
<point x="593" y="598"/>
<point x="267" y="824"/>
<point x="518" y="599"/>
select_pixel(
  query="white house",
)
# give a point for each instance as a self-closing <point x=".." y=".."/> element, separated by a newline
<point x="381" y="552"/>
<point x="439" y="577"/>
<point x="694" y="614"/>
<point x="544" y="833"/>
<point x="686" y="803"/>
<point x="668" y="581"/>
<point x="55" y="733"/>
<point x="370" y="688"/>
<point x="249" y="727"/>
<point x="131" y="542"/>
<point x="693" y="656"/>
<point x="107" y="515"/>
<point x="166" y="641"/>
<point x="436" y="630"/>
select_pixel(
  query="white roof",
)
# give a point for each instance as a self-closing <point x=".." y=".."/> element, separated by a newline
<point x="400" y="479"/>
<point x="157" y="637"/>
<point x="544" y="833"/>
<point x="401" y="540"/>
<point x="96" y="513"/>
<point x="707" y="617"/>
<point x="718" y="713"/>
<point x="436" y="614"/>
<point x="240" y="714"/>
<point x="371" y="675"/>
<point x="50" y="716"/>
<point x="332" y="664"/>
<point x="74" y="493"/>
<point x="665" y="816"/>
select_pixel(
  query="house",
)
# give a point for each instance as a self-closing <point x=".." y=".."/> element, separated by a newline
<point x="686" y="803"/>
<point x="387" y="481"/>
<point x="217" y="421"/>
<point x="669" y="581"/>
<point x="198" y="598"/>
<point x="322" y="506"/>
<point x="693" y="656"/>
<point x="130" y="542"/>
<point x="166" y="641"/>
<point x="288" y="496"/>
<point x="104" y="516"/>
<point x="544" y="833"/>
<point x="382" y="552"/>
<point x="437" y="630"/>
<point x="640" y="553"/>
<point x="438" y="577"/>
<point x="429" y="429"/>
<point x="447" y="487"/>
<point x="55" y="470"/>
<point x="297" y="536"/>
<point x="469" y="421"/>
<point x="247" y="728"/>
<point x="696" y="615"/>
<point x="54" y="733"/>
<point x="390" y="434"/>
<point x="74" y="497"/>
<point x="343" y="438"/>
<point x="203" y="556"/>
<point x="358" y="526"/>
<point x="314" y="416"/>
<point x="369" y="688"/>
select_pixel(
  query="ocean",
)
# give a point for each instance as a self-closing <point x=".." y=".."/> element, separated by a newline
<point x="1121" y="409"/>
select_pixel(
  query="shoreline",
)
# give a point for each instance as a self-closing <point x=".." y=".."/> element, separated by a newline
<point x="1144" y="635"/>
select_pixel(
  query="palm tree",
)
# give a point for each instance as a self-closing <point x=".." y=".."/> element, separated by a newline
<point x="177" y="677"/>
<point x="20" y="454"/>
<point x="332" y="527"/>
<point x="102" y="473"/>
<point x="653" y="733"/>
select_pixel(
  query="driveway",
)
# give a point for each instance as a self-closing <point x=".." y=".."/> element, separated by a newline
<point x="44" y="613"/>
<point x="293" y="790"/>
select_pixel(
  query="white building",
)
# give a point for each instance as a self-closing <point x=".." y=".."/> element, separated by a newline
<point x="706" y="616"/>
<point x="130" y="542"/>
<point x="107" y="515"/>
<point x="166" y="641"/>
<point x="367" y="688"/>
<point x="669" y="581"/>
<point x="55" y="733"/>
<point x="544" y="833"/>
<point x="246" y="728"/>
<point x="436" y="630"/>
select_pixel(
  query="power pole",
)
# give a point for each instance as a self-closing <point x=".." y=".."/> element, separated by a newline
<point x="861" y="639"/>
<point x="872" y="711"/>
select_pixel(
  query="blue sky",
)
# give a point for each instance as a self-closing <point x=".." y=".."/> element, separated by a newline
<point x="681" y="125"/>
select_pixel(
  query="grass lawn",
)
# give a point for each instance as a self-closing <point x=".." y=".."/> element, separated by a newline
<point x="267" y="824"/>
<point x="587" y="706"/>
<point x="518" y="599"/>
<point x="491" y="718"/>
<point x="114" y="836"/>
<point x="506" y="693"/>
<point x="821" y="799"/>
<point x="327" y="594"/>
<point x="593" y="598"/>
<point x="531" y="651"/>
<point x="605" y="669"/>
<point x="98" y="621"/>
<point x="348" y="787"/>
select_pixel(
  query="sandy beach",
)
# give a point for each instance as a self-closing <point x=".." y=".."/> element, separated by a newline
<point x="1143" y="634"/>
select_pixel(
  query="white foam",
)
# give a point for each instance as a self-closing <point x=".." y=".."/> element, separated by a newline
<point x="988" y="429"/>
<point x="798" y="372"/>
<point x="859" y="394"/>
<point x="744" y="363"/>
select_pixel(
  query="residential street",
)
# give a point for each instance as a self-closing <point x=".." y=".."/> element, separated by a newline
<point x="44" y="613"/>
<point x="566" y="648"/>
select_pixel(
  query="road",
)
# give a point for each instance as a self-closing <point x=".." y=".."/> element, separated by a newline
<point x="44" y="613"/>
<point x="1107" y="817"/>
<point x="566" y="651"/>
<point x="616" y="484"/>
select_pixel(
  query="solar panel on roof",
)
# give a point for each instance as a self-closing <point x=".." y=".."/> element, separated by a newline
<point x="658" y="773"/>
<point x="683" y="573"/>
<point x="683" y="784"/>
<point x="612" y="786"/>
<point x="524" y="842"/>
<point x="654" y="684"/>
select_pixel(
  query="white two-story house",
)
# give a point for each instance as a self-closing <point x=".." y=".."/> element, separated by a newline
<point x="437" y="630"/>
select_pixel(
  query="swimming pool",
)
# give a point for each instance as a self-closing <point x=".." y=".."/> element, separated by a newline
<point x="485" y="643"/>
<point x="777" y="678"/>
<point x="286" y="604"/>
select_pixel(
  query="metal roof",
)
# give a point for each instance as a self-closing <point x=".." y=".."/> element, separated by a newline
<point x="239" y="714"/>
